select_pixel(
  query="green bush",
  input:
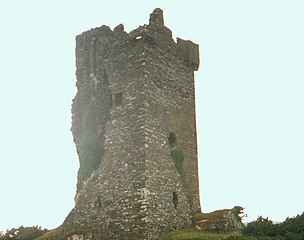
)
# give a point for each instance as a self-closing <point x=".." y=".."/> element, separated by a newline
<point x="262" y="227"/>
<point x="23" y="233"/>
<point x="265" y="229"/>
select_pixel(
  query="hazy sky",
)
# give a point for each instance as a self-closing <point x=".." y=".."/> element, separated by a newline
<point x="249" y="91"/>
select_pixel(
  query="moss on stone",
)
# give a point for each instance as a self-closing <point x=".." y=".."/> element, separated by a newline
<point x="90" y="114"/>
<point x="178" y="157"/>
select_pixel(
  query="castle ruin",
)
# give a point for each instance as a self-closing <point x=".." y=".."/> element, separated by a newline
<point x="135" y="132"/>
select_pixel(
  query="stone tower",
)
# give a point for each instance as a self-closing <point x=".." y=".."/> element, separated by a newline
<point x="134" y="128"/>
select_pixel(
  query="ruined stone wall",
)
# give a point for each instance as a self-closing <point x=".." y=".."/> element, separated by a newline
<point x="134" y="130"/>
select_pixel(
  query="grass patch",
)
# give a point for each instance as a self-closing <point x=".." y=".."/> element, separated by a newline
<point x="55" y="234"/>
<point x="193" y="235"/>
<point x="62" y="233"/>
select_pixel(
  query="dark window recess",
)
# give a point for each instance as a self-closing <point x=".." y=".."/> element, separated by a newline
<point x="98" y="203"/>
<point x="106" y="77"/>
<point x="172" y="138"/>
<point x="94" y="52"/>
<point x="118" y="99"/>
<point x="175" y="200"/>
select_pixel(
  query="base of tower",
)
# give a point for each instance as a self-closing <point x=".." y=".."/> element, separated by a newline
<point x="225" y="221"/>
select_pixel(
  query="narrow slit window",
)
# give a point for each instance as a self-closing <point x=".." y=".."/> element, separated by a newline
<point x="118" y="99"/>
<point x="98" y="203"/>
<point x="94" y="52"/>
<point x="175" y="200"/>
<point x="106" y="77"/>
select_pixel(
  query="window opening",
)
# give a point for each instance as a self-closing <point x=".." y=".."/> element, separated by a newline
<point x="118" y="99"/>
<point x="98" y="203"/>
<point x="94" y="53"/>
<point x="175" y="200"/>
<point x="106" y="77"/>
<point x="172" y="138"/>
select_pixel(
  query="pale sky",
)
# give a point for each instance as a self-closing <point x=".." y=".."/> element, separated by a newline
<point x="249" y="91"/>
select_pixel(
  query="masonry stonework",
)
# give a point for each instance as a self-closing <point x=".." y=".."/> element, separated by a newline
<point x="134" y="128"/>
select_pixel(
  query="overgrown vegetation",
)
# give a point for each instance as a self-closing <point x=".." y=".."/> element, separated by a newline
<point x="23" y="233"/>
<point x="90" y="114"/>
<point x="178" y="158"/>
<point x="265" y="229"/>
<point x="193" y="235"/>
<point x="57" y="234"/>
<point x="260" y="229"/>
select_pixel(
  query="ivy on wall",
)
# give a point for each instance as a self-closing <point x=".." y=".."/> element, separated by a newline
<point x="178" y="157"/>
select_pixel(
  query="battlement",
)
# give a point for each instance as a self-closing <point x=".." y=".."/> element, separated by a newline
<point x="154" y="33"/>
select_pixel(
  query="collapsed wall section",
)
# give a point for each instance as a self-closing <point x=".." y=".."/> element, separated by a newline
<point x="110" y="199"/>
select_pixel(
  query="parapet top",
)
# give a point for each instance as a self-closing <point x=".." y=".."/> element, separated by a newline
<point x="156" y="32"/>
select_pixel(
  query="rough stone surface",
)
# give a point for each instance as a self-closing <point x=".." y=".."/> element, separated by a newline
<point x="134" y="128"/>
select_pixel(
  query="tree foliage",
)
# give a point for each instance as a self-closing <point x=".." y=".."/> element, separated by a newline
<point x="265" y="229"/>
<point x="262" y="227"/>
<point x="23" y="233"/>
